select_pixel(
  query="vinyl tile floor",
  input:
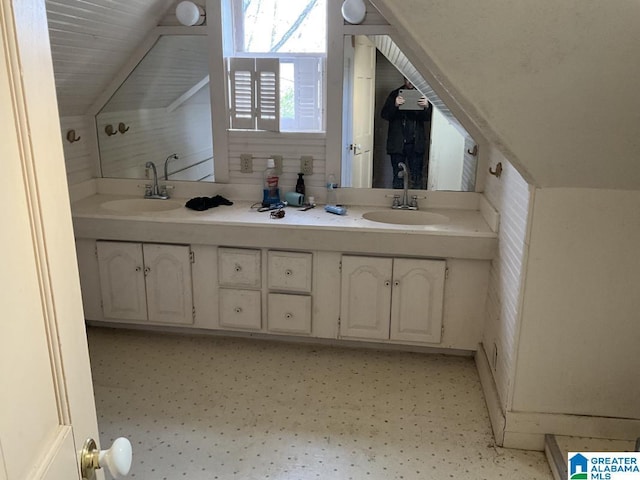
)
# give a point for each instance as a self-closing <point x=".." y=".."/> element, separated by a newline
<point x="209" y="407"/>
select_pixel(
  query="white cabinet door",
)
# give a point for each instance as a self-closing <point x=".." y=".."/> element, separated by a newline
<point x="365" y="297"/>
<point x="289" y="313"/>
<point x="145" y="282"/>
<point x="416" y="300"/>
<point x="168" y="280"/>
<point x="240" y="309"/>
<point x="122" y="280"/>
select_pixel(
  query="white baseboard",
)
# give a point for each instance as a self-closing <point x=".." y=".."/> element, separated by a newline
<point x="526" y="430"/>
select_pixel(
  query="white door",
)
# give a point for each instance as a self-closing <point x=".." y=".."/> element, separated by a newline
<point x="365" y="302"/>
<point x="168" y="278"/>
<point x="46" y="407"/>
<point x="416" y="302"/>
<point x="364" y="71"/>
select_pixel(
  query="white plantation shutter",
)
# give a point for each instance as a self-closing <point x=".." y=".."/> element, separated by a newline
<point x="254" y="93"/>
<point x="241" y="83"/>
<point x="268" y="94"/>
<point x="308" y="85"/>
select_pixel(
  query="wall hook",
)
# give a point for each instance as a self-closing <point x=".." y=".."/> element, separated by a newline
<point x="473" y="152"/>
<point x="71" y="136"/>
<point x="110" y="131"/>
<point x="498" y="171"/>
<point x="122" y="128"/>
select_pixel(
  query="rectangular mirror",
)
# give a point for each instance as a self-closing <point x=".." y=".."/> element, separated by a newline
<point x="374" y="68"/>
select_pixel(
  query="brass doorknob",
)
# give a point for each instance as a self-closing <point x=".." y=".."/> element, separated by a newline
<point x="117" y="459"/>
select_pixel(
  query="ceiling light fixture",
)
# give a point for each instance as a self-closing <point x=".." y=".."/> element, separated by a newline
<point x="354" y="11"/>
<point x="188" y="13"/>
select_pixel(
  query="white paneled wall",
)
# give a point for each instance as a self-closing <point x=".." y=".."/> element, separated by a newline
<point x="153" y="135"/>
<point x="290" y="146"/>
<point x="510" y="195"/>
<point x="81" y="156"/>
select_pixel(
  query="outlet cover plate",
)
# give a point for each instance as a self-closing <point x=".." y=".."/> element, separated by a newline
<point x="306" y="164"/>
<point x="246" y="163"/>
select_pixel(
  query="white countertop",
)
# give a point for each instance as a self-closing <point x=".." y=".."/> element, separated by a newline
<point x="466" y="235"/>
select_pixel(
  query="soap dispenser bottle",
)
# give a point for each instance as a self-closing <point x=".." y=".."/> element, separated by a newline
<point x="270" y="191"/>
<point x="300" y="184"/>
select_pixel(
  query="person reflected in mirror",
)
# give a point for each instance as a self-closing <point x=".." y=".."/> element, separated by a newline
<point x="407" y="135"/>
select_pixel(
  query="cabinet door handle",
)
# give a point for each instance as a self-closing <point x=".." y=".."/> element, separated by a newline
<point x="288" y="273"/>
<point x="396" y="283"/>
<point x="238" y="309"/>
<point x="146" y="270"/>
<point x="288" y="316"/>
<point x="387" y="283"/>
<point x="138" y="269"/>
<point x="238" y="268"/>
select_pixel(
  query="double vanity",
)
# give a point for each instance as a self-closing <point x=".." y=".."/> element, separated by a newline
<point x="416" y="278"/>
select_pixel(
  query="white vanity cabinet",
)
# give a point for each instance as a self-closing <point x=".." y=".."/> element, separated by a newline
<point x="240" y="282"/>
<point x="286" y="289"/>
<point x="289" y="282"/>
<point x="398" y="299"/>
<point x="145" y="282"/>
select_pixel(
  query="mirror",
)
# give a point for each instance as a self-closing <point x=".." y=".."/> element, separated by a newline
<point x="162" y="108"/>
<point x="374" y="67"/>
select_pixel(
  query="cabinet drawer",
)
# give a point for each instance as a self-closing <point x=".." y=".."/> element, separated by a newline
<point x="239" y="267"/>
<point x="289" y="313"/>
<point x="240" y="309"/>
<point x="290" y="271"/>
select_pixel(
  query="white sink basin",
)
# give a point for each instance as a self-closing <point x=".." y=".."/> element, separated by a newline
<point x="139" y="205"/>
<point x="406" y="217"/>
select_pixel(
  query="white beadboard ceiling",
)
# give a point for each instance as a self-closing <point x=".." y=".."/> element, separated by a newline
<point x="90" y="42"/>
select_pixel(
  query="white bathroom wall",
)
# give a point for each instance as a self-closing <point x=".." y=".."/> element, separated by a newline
<point x="578" y="347"/>
<point x="80" y="156"/>
<point x="509" y="194"/>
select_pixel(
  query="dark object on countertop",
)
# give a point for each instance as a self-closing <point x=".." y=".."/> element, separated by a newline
<point x="205" y="203"/>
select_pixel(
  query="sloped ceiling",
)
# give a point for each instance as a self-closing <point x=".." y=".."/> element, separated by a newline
<point x="90" y="42"/>
<point x="553" y="84"/>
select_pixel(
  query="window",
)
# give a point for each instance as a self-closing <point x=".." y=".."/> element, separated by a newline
<point x="276" y="52"/>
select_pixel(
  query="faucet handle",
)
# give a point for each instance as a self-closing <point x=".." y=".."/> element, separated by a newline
<point x="164" y="190"/>
<point x="396" y="201"/>
<point x="148" y="190"/>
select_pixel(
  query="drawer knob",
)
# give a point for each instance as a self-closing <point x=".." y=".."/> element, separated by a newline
<point x="138" y="269"/>
<point x="288" y="273"/>
<point x="238" y="309"/>
<point x="387" y="283"/>
<point x="238" y="268"/>
<point x="396" y="283"/>
<point x="288" y="316"/>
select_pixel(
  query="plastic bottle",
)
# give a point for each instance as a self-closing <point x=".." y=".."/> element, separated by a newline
<point x="300" y="184"/>
<point x="270" y="192"/>
<point x="332" y="197"/>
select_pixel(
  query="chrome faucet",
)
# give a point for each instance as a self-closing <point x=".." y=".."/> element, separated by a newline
<point x="405" y="204"/>
<point x="153" y="191"/>
<point x="173" y="156"/>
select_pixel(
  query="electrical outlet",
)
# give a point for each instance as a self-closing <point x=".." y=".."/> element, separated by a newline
<point x="306" y="164"/>
<point x="246" y="163"/>
<point x="277" y="160"/>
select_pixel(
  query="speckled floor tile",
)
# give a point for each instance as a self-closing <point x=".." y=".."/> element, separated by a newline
<point x="207" y="408"/>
